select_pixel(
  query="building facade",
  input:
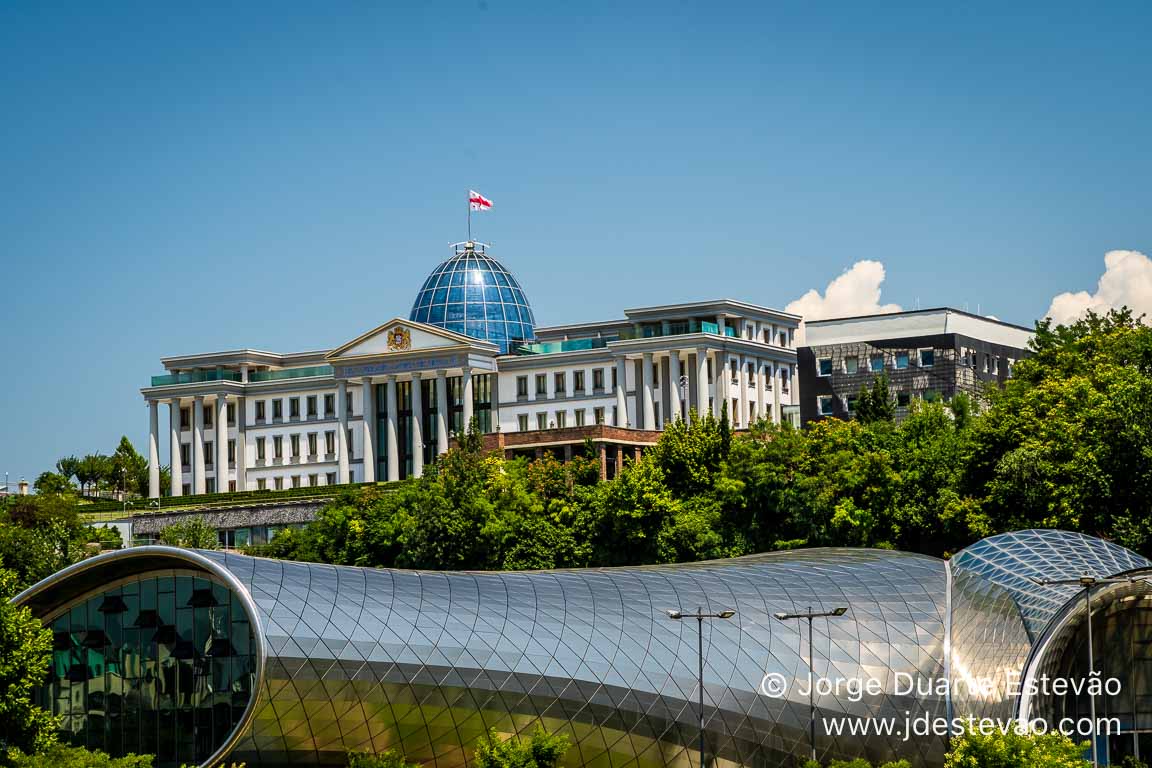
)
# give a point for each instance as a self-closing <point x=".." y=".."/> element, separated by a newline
<point x="196" y="657"/>
<point x="383" y="405"/>
<point x="926" y="354"/>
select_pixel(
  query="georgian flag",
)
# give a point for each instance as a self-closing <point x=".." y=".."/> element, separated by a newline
<point x="477" y="201"/>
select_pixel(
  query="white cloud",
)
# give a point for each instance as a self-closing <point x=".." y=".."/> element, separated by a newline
<point x="855" y="292"/>
<point x="1127" y="281"/>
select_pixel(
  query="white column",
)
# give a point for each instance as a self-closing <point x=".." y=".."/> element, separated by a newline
<point x="221" y="443"/>
<point x="466" y="396"/>
<point x="701" y="382"/>
<point x="621" y="392"/>
<point x="175" y="468"/>
<point x="342" y="433"/>
<point x="646" y="377"/>
<point x="720" y="376"/>
<point x="198" y="484"/>
<point x="417" y="426"/>
<point x="758" y="388"/>
<point x="390" y="430"/>
<point x="441" y="413"/>
<point x="369" y="430"/>
<point x="775" y="393"/>
<point x="745" y="421"/>
<point x="241" y="445"/>
<point x="153" y="450"/>
<point x="674" y="383"/>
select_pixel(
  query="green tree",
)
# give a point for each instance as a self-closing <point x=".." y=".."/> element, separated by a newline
<point x="193" y="533"/>
<point x="128" y="469"/>
<point x="876" y="403"/>
<point x="60" y="756"/>
<point x="1015" y="750"/>
<point x="94" y="469"/>
<point x="387" y="759"/>
<point x="52" y="483"/>
<point x="68" y="467"/>
<point x="542" y="750"/>
<point x="25" y="652"/>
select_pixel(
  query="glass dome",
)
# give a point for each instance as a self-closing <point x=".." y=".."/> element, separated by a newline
<point x="473" y="294"/>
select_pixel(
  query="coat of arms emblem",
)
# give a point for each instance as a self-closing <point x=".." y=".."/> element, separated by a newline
<point x="399" y="339"/>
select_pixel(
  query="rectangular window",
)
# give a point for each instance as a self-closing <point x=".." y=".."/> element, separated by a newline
<point x="561" y="419"/>
<point x="294" y="441"/>
<point x="278" y="447"/>
<point x="260" y="449"/>
<point x="261" y="483"/>
<point x="987" y="361"/>
<point x="185" y="419"/>
<point x="311" y="443"/>
<point x="231" y="486"/>
<point x="522" y="422"/>
<point x="231" y="408"/>
<point x="329" y="406"/>
<point x="996" y="365"/>
<point x="259" y="411"/>
<point x="931" y="396"/>
<point x="313" y="480"/>
<point x="614" y="384"/>
<point x="578" y="382"/>
<point x="211" y="485"/>
<point x="901" y="360"/>
<point x="824" y="366"/>
<point x="208" y="416"/>
<point x="825" y="404"/>
<point x="522" y="387"/>
<point x="330" y="442"/>
<point x="295" y="481"/>
<point x="850" y="403"/>
<point x="876" y="363"/>
<point x="277" y="410"/>
<point x="927" y="358"/>
<point x="293" y="407"/>
<point x="208" y="453"/>
<point x="185" y="453"/>
<point x="598" y="414"/>
<point x="902" y="399"/>
<point x="541" y="384"/>
<point x="348" y="404"/>
<point x="561" y="381"/>
<point x="279" y="483"/>
<point x="581" y="414"/>
<point x="597" y="379"/>
<point x="330" y="478"/>
<point x="311" y="405"/>
<point x="851" y="364"/>
<point x="785" y="379"/>
<point x="541" y="421"/>
<point x="231" y="451"/>
<point x="351" y="452"/>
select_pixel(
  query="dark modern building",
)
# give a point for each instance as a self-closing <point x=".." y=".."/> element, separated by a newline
<point x="928" y="354"/>
<point x="199" y="656"/>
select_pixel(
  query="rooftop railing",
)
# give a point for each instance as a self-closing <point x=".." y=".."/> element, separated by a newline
<point x="290" y="373"/>
<point x="194" y="377"/>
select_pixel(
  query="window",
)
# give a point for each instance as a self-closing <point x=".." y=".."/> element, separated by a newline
<point x="210" y="484"/>
<point x="329" y="442"/>
<point x="902" y="399"/>
<point x="208" y="416"/>
<point x="931" y="396"/>
<point x="295" y="481"/>
<point x="330" y="478"/>
<point x="561" y="380"/>
<point x="348" y="404"/>
<point x="185" y="453"/>
<point x="1011" y="363"/>
<point x="231" y="409"/>
<point x="850" y="403"/>
<point x="876" y="363"/>
<point x="311" y="405"/>
<point x="851" y="364"/>
<point x="614" y="377"/>
<point x="259" y="411"/>
<point x="927" y="358"/>
<point x="996" y="365"/>
<point x="901" y="360"/>
<point x="578" y="382"/>
<point x="312" y="444"/>
<point x="293" y="407"/>
<point x="541" y="421"/>
<point x="825" y="405"/>
<point x="824" y="366"/>
<point x="231" y="486"/>
<point x="277" y="410"/>
<point x="597" y="379"/>
<point x="561" y="418"/>
<point x="208" y="453"/>
<point x="581" y="414"/>
<point x="522" y="387"/>
<point x="278" y="447"/>
<point x="522" y="422"/>
<point x="231" y="451"/>
<point x="987" y="361"/>
<point x="785" y="379"/>
<point x="279" y="483"/>
<point x="185" y="419"/>
<point x="294" y="441"/>
<point x="541" y="384"/>
<point x="598" y="415"/>
<point x="329" y="406"/>
<point x="261" y="483"/>
<point x="313" y="480"/>
<point x="351" y="452"/>
<point x="260" y="449"/>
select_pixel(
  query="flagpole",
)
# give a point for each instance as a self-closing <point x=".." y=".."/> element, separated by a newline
<point x="469" y="217"/>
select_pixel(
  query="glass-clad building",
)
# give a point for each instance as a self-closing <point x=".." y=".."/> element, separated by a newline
<point x="198" y="656"/>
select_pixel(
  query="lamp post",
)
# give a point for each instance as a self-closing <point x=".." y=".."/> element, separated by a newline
<point x="700" y="616"/>
<point x="810" y="615"/>
<point x="1086" y="583"/>
<point x="682" y="404"/>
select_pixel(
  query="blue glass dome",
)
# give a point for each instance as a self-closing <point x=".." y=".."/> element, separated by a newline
<point x="473" y="294"/>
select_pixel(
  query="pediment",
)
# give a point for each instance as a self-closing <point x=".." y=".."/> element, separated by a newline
<point x="399" y="336"/>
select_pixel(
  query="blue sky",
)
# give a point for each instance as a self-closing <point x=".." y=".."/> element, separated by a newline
<point x="202" y="176"/>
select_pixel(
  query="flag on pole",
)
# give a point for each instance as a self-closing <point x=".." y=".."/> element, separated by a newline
<point x="477" y="201"/>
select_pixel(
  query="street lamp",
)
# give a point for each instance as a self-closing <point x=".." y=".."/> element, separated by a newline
<point x="810" y="615"/>
<point x="700" y="616"/>
<point x="1087" y="582"/>
<point x="682" y="407"/>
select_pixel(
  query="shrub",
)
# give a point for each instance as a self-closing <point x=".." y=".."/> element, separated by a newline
<point x="542" y="750"/>
<point x="387" y="759"/>
<point x="60" y="756"/>
<point x="1015" y="750"/>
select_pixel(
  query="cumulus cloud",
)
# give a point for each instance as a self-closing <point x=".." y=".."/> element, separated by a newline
<point x="1126" y="282"/>
<point x="855" y="292"/>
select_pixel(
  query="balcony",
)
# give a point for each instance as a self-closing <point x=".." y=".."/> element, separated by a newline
<point x="194" y="377"/>
<point x="290" y="373"/>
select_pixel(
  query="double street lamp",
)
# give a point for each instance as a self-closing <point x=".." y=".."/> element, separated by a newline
<point x="700" y="616"/>
<point x="810" y="615"/>
<point x="1087" y="583"/>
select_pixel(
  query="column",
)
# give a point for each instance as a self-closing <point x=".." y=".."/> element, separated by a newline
<point x="175" y="468"/>
<point x="720" y="376"/>
<point x="441" y="413"/>
<point x="466" y="396"/>
<point x="198" y="484"/>
<point x="241" y="445"/>
<point x="701" y="382"/>
<point x="619" y="460"/>
<point x="369" y="429"/>
<point x="775" y="393"/>
<point x="674" y="383"/>
<point x="342" y="432"/>
<point x="390" y="429"/>
<point x="153" y="450"/>
<point x="603" y="461"/>
<point x="417" y="427"/>
<point x="646" y="377"/>
<point x="221" y="443"/>
<point x="621" y="389"/>
<point x="745" y="421"/>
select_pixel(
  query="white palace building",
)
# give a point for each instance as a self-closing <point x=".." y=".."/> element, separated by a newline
<point x="384" y="405"/>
